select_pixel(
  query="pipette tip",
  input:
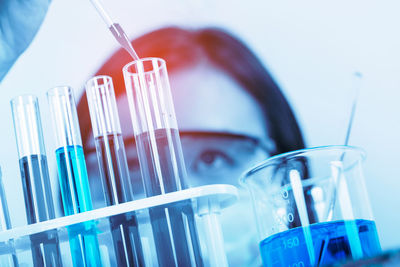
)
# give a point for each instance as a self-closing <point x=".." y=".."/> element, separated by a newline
<point x="115" y="29"/>
<point x="123" y="40"/>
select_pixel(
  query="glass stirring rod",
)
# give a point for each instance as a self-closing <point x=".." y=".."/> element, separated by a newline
<point x="116" y="30"/>
<point x="357" y="79"/>
<point x="357" y="84"/>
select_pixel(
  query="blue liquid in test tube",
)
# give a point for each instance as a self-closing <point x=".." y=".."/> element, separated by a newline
<point x="73" y="177"/>
<point x="331" y="243"/>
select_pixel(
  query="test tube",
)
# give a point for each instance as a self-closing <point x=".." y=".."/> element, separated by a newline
<point x="35" y="178"/>
<point x="114" y="172"/>
<point x="9" y="258"/>
<point x="73" y="176"/>
<point x="161" y="160"/>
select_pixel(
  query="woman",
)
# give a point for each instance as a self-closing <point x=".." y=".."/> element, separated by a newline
<point x="231" y="114"/>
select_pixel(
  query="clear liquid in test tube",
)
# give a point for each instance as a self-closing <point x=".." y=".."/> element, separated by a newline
<point x="114" y="172"/>
<point x="35" y="178"/>
<point x="73" y="178"/>
<point x="161" y="160"/>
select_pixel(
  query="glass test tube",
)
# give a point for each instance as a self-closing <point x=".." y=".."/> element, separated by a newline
<point x="8" y="257"/>
<point x="35" y="177"/>
<point x="114" y="170"/>
<point x="161" y="160"/>
<point x="73" y="176"/>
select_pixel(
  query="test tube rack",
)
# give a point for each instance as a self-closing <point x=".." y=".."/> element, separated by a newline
<point x="207" y="202"/>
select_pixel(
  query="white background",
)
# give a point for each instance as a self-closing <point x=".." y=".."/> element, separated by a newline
<point x="311" y="47"/>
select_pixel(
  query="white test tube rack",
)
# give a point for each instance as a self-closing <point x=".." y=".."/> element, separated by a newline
<point x="207" y="202"/>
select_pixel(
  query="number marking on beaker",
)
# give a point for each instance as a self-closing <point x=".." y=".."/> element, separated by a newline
<point x="285" y="193"/>
<point x="297" y="264"/>
<point x="285" y="218"/>
<point x="290" y="217"/>
<point x="291" y="243"/>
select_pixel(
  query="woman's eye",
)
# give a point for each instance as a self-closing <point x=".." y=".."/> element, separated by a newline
<point x="211" y="161"/>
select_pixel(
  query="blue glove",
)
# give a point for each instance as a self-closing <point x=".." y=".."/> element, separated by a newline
<point x="19" y="22"/>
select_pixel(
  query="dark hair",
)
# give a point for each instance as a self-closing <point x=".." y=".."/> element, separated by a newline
<point x="181" y="47"/>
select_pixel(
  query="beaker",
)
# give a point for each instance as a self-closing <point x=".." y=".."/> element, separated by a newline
<point x="311" y="207"/>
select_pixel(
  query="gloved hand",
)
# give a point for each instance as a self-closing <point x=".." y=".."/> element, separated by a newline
<point x="19" y="22"/>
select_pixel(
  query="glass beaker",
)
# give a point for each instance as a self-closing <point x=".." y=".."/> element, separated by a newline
<point x="312" y="207"/>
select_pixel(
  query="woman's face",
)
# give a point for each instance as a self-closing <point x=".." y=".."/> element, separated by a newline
<point x="223" y="129"/>
<point x="230" y="125"/>
<point x="223" y="133"/>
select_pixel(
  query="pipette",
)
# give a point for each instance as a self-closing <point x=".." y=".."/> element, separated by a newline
<point x="116" y="30"/>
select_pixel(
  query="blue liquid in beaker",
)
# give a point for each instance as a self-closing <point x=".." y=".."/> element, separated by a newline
<point x="332" y="242"/>
<point x="76" y="198"/>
